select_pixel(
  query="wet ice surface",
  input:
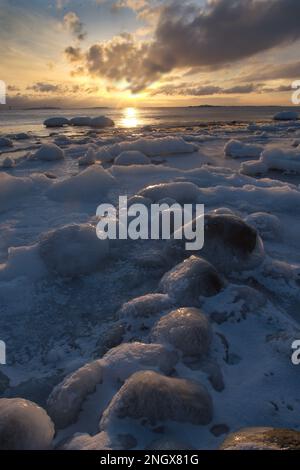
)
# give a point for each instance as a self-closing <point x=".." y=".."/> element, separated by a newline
<point x="53" y="325"/>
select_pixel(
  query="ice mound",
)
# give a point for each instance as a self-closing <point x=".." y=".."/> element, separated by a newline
<point x="158" y="146"/>
<point x="88" y="159"/>
<point x="279" y="159"/>
<point x="100" y="441"/>
<point x="257" y="168"/>
<point x="56" y="122"/>
<point x="182" y="192"/>
<point x="262" y="439"/>
<point x="146" y="306"/>
<point x="101" y="121"/>
<point x="237" y="149"/>
<point x="286" y="116"/>
<point x="91" y="185"/>
<point x="5" y="142"/>
<point x="186" y="329"/>
<point x="8" y="162"/>
<point x="81" y="121"/>
<point x="132" y="157"/>
<point x="73" y="250"/>
<point x="24" y="425"/>
<point x="12" y="189"/>
<point x="104" y="155"/>
<point x="23" y="261"/>
<point x="126" y="359"/>
<point x="268" y="226"/>
<point x="49" y="153"/>
<point x="155" y="398"/>
<point x="189" y="280"/>
<point x="65" y="401"/>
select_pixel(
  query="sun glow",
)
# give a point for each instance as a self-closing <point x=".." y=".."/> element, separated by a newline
<point x="130" y="117"/>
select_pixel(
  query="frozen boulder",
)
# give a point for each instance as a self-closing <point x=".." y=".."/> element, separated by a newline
<point x="191" y="279"/>
<point x="49" y="153"/>
<point x="24" y="425"/>
<point x="73" y="250"/>
<point x="153" y="147"/>
<point x="154" y="398"/>
<point x="186" y="329"/>
<point x="104" y="155"/>
<point x="124" y="360"/>
<point x="268" y="225"/>
<point x="182" y="192"/>
<point x="237" y="149"/>
<point x="90" y="185"/>
<point x="101" y="121"/>
<point x="5" y="142"/>
<point x="286" y="116"/>
<point x="132" y="157"/>
<point x="100" y="441"/>
<point x="88" y="159"/>
<point x="257" y="168"/>
<point x="261" y="438"/>
<point x="56" y="122"/>
<point x="65" y="401"/>
<point x="146" y="306"/>
<point x="8" y="162"/>
<point x="282" y="160"/>
<point x="81" y="121"/>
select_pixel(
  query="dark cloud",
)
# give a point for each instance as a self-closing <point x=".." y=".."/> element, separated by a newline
<point x="61" y="89"/>
<point x="275" y="72"/>
<point x="74" y="25"/>
<point x="73" y="54"/>
<point x="187" y="89"/>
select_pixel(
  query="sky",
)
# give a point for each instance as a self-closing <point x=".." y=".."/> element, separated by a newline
<point x="77" y="53"/>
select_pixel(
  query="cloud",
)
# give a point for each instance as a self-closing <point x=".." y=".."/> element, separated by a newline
<point x="74" y="25"/>
<point x="275" y="72"/>
<point x="61" y="88"/>
<point x="188" y="89"/>
<point x="221" y="32"/>
<point x="73" y="54"/>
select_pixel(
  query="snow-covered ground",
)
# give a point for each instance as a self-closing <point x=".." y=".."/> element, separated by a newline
<point x="64" y="294"/>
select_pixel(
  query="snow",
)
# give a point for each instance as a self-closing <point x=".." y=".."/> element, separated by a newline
<point x="279" y="159"/>
<point x="181" y="192"/>
<point x="132" y="157"/>
<point x="254" y="168"/>
<point x="88" y="159"/>
<point x="8" y="162"/>
<point x="100" y="441"/>
<point x="56" y="122"/>
<point x="12" y="189"/>
<point x="73" y="250"/>
<point x="286" y="116"/>
<point x="186" y="329"/>
<point x="49" y="153"/>
<point x="268" y="225"/>
<point x="24" y="426"/>
<point x="237" y="149"/>
<point x="91" y="185"/>
<point x="145" y="306"/>
<point x="156" y="399"/>
<point x="5" y="142"/>
<point x="153" y="147"/>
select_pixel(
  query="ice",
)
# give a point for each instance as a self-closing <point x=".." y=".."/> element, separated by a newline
<point x="280" y="159"/>
<point x="91" y="185"/>
<point x="257" y="168"/>
<point x="8" y="162"/>
<point x="24" y="425"/>
<point x="88" y="159"/>
<point x="182" y="192"/>
<point x="286" y="116"/>
<point x="237" y="149"/>
<point x="186" y="329"/>
<point x="132" y="157"/>
<point x="12" y="189"/>
<point x="5" y="142"/>
<point x="49" y="153"/>
<point x="154" y="147"/>
<point x="146" y="306"/>
<point x="56" y="122"/>
<point x="268" y="225"/>
<point x="23" y="261"/>
<point x="73" y="250"/>
<point x="100" y="441"/>
<point x="155" y="398"/>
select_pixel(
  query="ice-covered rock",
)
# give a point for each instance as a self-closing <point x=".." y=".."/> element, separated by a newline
<point x="268" y="225"/>
<point x="186" y="329"/>
<point x="124" y="360"/>
<point x="101" y="121"/>
<point x="155" y="398"/>
<point x="66" y="399"/>
<point x="49" y="153"/>
<point x="257" y="168"/>
<point x="81" y="121"/>
<point x="8" y="162"/>
<point x="104" y="155"/>
<point x="5" y="142"/>
<point x="24" y="425"/>
<point x="182" y="192"/>
<point x="88" y="159"/>
<point x="237" y="149"/>
<point x="56" y="122"/>
<point x="261" y="438"/>
<point x="190" y="280"/>
<point x="286" y="116"/>
<point x="146" y="306"/>
<point x="132" y="157"/>
<point x="156" y="146"/>
<point x="100" y="441"/>
<point x="90" y="185"/>
<point x="279" y="159"/>
<point x="12" y="189"/>
<point x="23" y="261"/>
<point x="73" y="250"/>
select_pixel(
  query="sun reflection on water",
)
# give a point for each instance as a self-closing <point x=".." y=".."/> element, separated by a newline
<point x="130" y="117"/>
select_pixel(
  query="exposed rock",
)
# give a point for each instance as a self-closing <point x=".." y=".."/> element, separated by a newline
<point x="261" y="438"/>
